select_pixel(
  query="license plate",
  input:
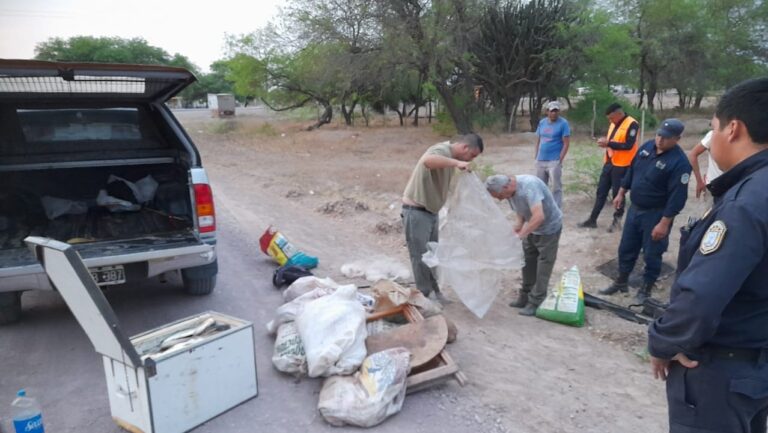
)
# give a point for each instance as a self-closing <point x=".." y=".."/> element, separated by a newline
<point x="108" y="275"/>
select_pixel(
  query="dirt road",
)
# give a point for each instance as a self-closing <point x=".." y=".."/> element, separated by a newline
<point x="335" y="193"/>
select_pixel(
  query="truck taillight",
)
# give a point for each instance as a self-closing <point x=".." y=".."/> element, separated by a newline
<point x="206" y="214"/>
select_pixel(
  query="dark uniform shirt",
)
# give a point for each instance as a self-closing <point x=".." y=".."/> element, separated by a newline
<point x="658" y="181"/>
<point x="721" y="295"/>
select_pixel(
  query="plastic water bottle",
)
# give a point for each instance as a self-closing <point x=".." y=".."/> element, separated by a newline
<point x="27" y="416"/>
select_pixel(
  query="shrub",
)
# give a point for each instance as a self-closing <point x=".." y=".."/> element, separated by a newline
<point x="222" y="126"/>
<point x="586" y="163"/>
<point x="444" y="125"/>
<point x="490" y="120"/>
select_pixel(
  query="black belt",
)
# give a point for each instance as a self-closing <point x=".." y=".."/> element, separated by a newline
<point x="411" y="207"/>
<point x="735" y="354"/>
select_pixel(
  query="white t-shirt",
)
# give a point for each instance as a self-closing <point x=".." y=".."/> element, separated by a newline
<point x="713" y="171"/>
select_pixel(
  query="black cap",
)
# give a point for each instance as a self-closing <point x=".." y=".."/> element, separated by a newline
<point x="671" y="128"/>
<point x="613" y="107"/>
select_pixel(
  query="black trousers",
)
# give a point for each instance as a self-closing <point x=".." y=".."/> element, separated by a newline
<point x="610" y="180"/>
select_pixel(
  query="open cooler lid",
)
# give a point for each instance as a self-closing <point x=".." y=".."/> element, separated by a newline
<point x="84" y="298"/>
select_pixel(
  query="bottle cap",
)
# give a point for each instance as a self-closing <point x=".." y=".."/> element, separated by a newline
<point x="21" y="393"/>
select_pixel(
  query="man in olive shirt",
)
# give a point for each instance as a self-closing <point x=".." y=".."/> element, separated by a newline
<point x="426" y="193"/>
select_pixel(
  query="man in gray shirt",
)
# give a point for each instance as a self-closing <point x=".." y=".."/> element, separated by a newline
<point x="539" y="223"/>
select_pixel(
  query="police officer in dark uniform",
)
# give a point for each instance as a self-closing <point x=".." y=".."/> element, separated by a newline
<point x="711" y="344"/>
<point x="658" y="179"/>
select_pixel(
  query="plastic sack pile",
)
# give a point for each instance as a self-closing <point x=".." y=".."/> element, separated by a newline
<point x="565" y="304"/>
<point x="477" y="245"/>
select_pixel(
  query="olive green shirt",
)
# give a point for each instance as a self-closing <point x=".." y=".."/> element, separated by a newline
<point x="429" y="188"/>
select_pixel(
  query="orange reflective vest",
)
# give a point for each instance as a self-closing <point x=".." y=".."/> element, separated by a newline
<point x="620" y="158"/>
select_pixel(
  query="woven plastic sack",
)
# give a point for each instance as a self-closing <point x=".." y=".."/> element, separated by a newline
<point x="372" y="395"/>
<point x="289" y="356"/>
<point x="332" y="329"/>
<point x="477" y="246"/>
<point x="565" y="304"/>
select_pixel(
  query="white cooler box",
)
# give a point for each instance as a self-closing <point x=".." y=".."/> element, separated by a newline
<point x="167" y="380"/>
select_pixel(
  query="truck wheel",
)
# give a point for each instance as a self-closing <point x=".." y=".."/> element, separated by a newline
<point x="10" y="307"/>
<point x="200" y="280"/>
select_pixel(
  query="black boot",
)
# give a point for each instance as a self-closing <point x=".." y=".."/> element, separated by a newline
<point x="644" y="292"/>
<point x="588" y="224"/>
<point x="521" y="301"/>
<point x="620" y="285"/>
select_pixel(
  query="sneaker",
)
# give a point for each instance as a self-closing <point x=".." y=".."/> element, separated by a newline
<point x="588" y="224"/>
<point x="529" y="310"/>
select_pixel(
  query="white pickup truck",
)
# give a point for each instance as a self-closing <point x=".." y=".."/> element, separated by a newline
<point x="67" y="132"/>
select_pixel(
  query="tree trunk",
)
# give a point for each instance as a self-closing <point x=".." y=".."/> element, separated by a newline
<point x="324" y="118"/>
<point x="697" y="100"/>
<point x="534" y="106"/>
<point x="399" y="115"/>
<point x="429" y="111"/>
<point x="651" y="93"/>
<point x="364" y="114"/>
<point x="348" y="115"/>
<point x="642" y="81"/>
<point x="460" y="117"/>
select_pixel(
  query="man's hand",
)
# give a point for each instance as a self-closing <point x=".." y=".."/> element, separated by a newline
<point x="700" y="187"/>
<point x="618" y="200"/>
<point x="602" y="142"/>
<point x="660" y="367"/>
<point x="462" y="165"/>
<point x="660" y="231"/>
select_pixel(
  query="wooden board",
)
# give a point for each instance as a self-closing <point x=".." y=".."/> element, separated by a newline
<point x="438" y="369"/>
<point x="425" y="339"/>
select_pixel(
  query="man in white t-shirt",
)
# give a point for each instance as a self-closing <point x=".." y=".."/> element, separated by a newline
<point x="713" y="171"/>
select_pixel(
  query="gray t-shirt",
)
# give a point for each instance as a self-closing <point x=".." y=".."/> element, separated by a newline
<point x="530" y="192"/>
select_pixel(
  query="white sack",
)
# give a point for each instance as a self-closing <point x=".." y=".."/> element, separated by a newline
<point x="377" y="268"/>
<point x="289" y="356"/>
<point x="477" y="245"/>
<point x="332" y="329"/>
<point x="307" y="284"/>
<point x="374" y="393"/>
<point x="289" y="311"/>
<point x="56" y="207"/>
<point x="115" y="204"/>
<point x="144" y="189"/>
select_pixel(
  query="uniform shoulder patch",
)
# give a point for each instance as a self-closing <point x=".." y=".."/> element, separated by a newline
<point x="685" y="178"/>
<point x="713" y="238"/>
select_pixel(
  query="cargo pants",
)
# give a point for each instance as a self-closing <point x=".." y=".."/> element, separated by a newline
<point x="420" y="227"/>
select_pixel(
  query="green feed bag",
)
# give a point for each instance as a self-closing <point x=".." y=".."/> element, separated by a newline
<point x="565" y="304"/>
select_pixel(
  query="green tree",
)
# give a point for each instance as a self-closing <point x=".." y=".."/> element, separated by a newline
<point x="108" y="50"/>
<point x="117" y="50"/>
<point x="434" y="37"/>
<point x="523" y="49"/>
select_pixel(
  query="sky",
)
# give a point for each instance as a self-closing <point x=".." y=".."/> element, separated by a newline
<point x="191" y="28"/>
